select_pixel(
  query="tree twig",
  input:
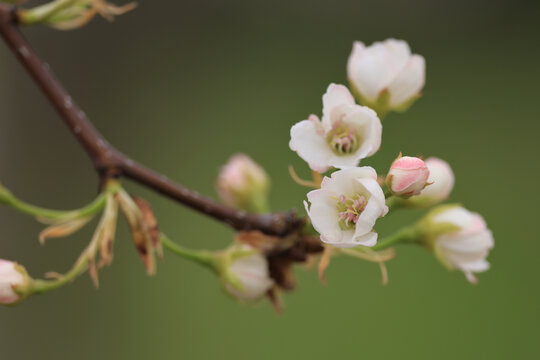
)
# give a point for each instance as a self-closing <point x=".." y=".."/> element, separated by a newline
<point x="110" y="162"/>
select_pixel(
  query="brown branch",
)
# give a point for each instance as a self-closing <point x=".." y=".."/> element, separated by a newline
<point x="110" y="162"/>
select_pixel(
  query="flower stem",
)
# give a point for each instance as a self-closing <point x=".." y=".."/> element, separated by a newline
<point x="29" y="209"/>
<point x="203" y="257"/>
<point x="394" y="203"/>
<point x="406" y="235"/>
<point x="42" y="286"/>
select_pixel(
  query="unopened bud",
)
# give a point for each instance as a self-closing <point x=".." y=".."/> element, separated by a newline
<point x="459" y="238"/>
<point x="244" y="273"/>
<point x="243" y="184"/>
<point x="407" y="176"/>
<point x="14" y="282"/>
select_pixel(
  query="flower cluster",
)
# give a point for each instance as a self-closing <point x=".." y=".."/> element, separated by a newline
<point x="344" y="205"/>
<point x="348" y="202"/>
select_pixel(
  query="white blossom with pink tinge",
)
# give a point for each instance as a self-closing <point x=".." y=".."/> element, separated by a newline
<point x="346" y="207"/>
<point x="251" y="275"/>
<point x="10" y="277"/>
<point x="386" y="74"/>
<point x="407" y="176"/>
<point x="465" y="248"/>
<point x="346" y="134"/>
<point x="243" y="184"/>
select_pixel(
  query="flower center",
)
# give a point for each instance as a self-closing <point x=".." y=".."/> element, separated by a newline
<point x="350" y="209"/>
<point x="342" y="138"/>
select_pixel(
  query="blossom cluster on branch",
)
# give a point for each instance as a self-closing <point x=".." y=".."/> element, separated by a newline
<point x="343" y="207"/>
<point x="347" y="203"/>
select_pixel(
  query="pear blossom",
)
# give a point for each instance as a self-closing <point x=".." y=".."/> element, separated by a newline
<point x="346" y="134"/>
<point x="441" y="180"/>
<point x="460" y="239"/>
<point x="247" y="275"/>
<point x="243" y="184"/>
<point x="407" y="176"/>
<point x="385" y="75"/>
<point x="346" y="207"/>
<point x="10" y="277"/>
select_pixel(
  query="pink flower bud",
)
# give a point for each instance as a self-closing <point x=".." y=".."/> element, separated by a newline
<point x="407" y="176"/>
<point x="12" y="275"/>
<point x="243" y="184"/>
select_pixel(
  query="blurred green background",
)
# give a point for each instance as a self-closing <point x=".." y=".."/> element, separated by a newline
<point x="182" y="85"/>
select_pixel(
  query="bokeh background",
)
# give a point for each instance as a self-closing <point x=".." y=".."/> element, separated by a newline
<point x="182" y="85"/>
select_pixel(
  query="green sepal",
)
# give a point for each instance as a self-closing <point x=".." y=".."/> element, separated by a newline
<point x="225" y="260"/>
<point x="230" y="278"/>
<point x="25" y="289"/>
<point x="382" y="105"/>
<point x="407" y="104"/>
<point x="420" y="202"/>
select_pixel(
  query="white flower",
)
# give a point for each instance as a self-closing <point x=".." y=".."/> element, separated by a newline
<point x="247" y="276"/>
<point x="441" y="180"/>
<point x="346" y="207"/>
<point x="10" y="277"/>
<point x="386" y="75"/>
<point x="465" y="242"/>
<point x="347" y="133"/>
<point x="407" y="176"/>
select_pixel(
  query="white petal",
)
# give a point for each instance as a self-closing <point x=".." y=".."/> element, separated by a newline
<point x="350" y="240"/>
<point x="344" y="161"/>
<point x="408" y="82"/>
<point x="356" y="52"/>
<point x="9" y="277"/>
<point x="346" y="241"/>
<point x="369" y="127"/>
<point x="335" y="97"/>
<point x="457" y="215"/>
<point x="252" y="271"/>
<point x="372" y="69"/>
<point x="345" y="181"/>
<point x="311" y="145"/>
<point x="441" y="178"/>
<point x="461" y="259"/>
<point x="478" y="266"/>
<point x="324" y="214"/>
<point x="377" y="194"/>
<point x="367" y="218"/>
<point x="369" y="239"/>
<point x="471" y="278"/>
<point x="476" y="242"/>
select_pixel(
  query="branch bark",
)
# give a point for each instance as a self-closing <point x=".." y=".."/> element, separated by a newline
<point x="110" y="162"/>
